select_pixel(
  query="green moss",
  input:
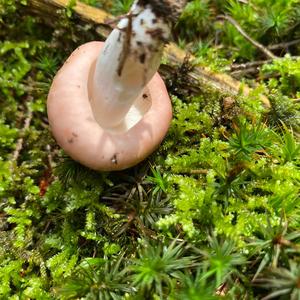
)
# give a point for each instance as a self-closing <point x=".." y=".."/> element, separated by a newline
<point x="215" y="206"/>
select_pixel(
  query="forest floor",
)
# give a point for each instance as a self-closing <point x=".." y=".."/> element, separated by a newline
<point x="213" y="213"/>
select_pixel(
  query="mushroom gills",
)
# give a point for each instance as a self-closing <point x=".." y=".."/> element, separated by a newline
<point x="136" y="112"/>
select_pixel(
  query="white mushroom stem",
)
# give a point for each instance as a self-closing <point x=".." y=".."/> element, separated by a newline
<point x="129" y="59"/>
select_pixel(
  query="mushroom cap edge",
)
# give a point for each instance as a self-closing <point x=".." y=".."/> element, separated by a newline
<point x="74" y="127"/>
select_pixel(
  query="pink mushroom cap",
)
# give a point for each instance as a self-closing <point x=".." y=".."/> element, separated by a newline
<point x="74" y="126"/>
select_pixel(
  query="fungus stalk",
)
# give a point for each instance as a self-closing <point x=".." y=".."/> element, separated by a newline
<point x="129" y="59"/>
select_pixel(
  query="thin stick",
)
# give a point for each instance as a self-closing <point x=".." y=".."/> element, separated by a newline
<point x="50" y="157"/>
<point x="284" y="45"/>
<point x="248" y="65"/>
<point x="199" y="172"/>
<point x="259" y="46"/>
<point x="241" y="73"/>
<point x="252" y="65"/>
<point x="20" y="141"/>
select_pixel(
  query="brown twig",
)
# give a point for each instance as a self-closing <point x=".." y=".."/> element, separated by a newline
<point x="259" y="46"/>
<point x="199" y="171"/>
<point x="248" y="65"/>
<point x="242" y="73"/>
<point x="20" y="141"/>
<point x="284" y="45"/>
<point x="195" y="172"/>
<point x="252" y="67"/>
<point x="49" y="157"/>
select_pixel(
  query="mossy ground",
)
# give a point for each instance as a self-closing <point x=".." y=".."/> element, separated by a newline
<point x="214" y="213"/>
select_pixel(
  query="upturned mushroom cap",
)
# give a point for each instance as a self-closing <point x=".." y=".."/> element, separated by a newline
<point x="76" y="130"/>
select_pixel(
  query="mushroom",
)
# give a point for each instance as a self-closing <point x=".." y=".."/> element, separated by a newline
<point x="107" y="106"/>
